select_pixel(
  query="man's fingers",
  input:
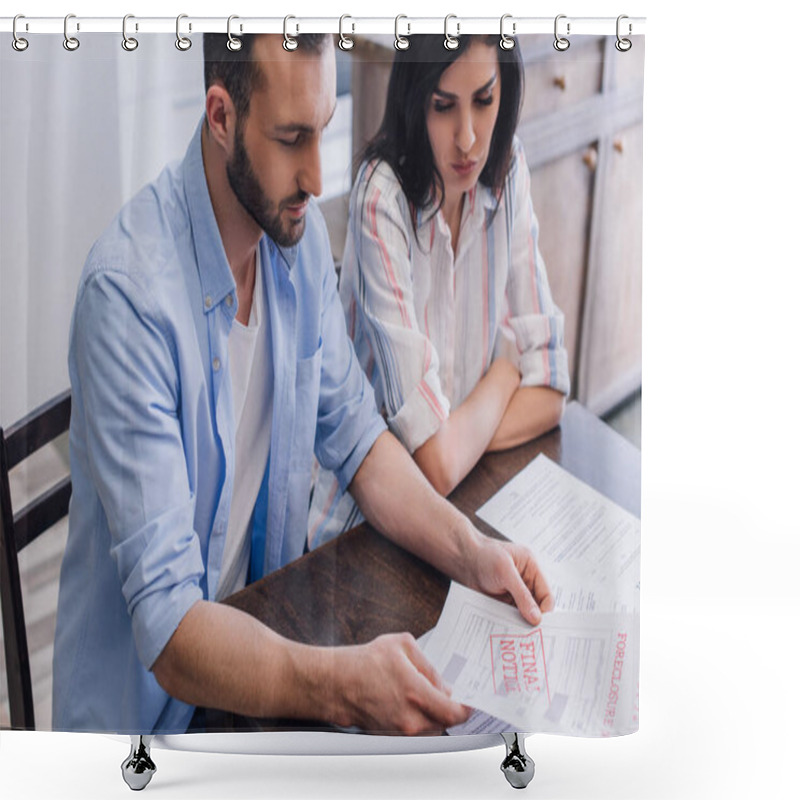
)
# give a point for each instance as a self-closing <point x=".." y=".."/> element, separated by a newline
<point x="434" y="703"/>
<point x="534" y="581"/>
<point x="417" y="658"/>
<point x="433" y="696"/>
<point x="525" y="603"/>
<point x="510" y="572"/>
<point x="547" y="603"/>
<point x="541" y="591"/>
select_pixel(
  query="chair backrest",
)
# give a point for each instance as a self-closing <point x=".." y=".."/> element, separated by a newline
<point x="17" y="530"/>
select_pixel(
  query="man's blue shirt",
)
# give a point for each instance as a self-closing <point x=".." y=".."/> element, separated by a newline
<point x="152" y="437"/>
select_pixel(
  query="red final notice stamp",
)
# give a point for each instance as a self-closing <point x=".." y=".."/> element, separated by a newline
<point x="518" y="665"/>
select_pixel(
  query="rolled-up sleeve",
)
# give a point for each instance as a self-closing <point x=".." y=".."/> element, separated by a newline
<point x="348" y="422"/>
<point x="407" y="362"/>
<point x="534" y="319"/>
<point x="125" y="368"/>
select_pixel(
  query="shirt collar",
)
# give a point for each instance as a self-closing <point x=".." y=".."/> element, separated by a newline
<point x="479" y="198"/>
<point x="216" y="279"/>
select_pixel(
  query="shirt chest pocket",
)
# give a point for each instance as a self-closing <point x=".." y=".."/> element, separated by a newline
<point x="307" y="385"/>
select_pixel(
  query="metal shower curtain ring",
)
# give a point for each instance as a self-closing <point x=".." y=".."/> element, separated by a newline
<point x="506" y="42"/>
<point x="623" y="45"/>
<point x="183" y="43"/>
<point x="289" y="42"/>
<point x="345" y="42"/>
<point x="71" y="43"/>
<point x="233" y="43"/>
<point x="18" y="43"/>
<point x="128" y="42"/>
<point x="451" y="42"/>
<point x="401" y="42"/>
<point x="561" y="43"/>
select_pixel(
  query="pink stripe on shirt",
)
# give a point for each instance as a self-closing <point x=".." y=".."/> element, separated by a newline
<point x="426" y="392"/>
<point x="387" y="263"/>
<point x="537" y="304"/>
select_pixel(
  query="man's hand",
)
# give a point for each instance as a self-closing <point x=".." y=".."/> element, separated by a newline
<point x="509" y="572"/>
<point x="388" y="686"/>
<point x="397" y="499"/>
<point x="221" y="657"/>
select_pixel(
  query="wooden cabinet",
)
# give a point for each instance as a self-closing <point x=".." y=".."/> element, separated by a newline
<point x="562" y="198"/>
<point x="610" y="362"/>
<point x="581" y="126"/>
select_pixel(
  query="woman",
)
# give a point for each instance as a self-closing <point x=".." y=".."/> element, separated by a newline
<point x="444" y="290"/>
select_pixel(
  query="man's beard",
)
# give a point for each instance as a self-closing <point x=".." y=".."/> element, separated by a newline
<point x="248" y="191"/>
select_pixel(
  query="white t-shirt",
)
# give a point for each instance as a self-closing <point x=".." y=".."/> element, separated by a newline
<point x="251" y="377"/>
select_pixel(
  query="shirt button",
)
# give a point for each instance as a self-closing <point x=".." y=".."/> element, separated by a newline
<point x="229" y="300"/>
<point x="208" y="301"/>
<point x="271" y="247"/>
<point x="216" y="364"/>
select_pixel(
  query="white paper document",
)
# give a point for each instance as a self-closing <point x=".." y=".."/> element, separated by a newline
<point x="586" y="545"/>
<point x="576" y="673"/>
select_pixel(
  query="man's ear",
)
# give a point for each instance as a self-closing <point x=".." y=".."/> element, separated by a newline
<point x="221" y="116"/>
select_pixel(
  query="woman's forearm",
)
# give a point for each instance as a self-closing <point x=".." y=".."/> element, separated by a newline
<point x="463" y="437"/>
<point x="532" y="411"/>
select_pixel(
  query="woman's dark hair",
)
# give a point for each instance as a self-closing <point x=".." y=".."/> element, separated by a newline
<point x="402" y="139"/>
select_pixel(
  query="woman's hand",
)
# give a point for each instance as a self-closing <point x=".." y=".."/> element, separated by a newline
<point x="447" y="456"/>
<point x="502" y="369"/>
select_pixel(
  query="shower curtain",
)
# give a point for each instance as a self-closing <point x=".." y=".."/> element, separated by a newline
<point x="87" y="129"/>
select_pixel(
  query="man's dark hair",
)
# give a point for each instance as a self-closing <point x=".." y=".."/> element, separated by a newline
<point x="238" y="71"/>
<point x="402" y="139"/>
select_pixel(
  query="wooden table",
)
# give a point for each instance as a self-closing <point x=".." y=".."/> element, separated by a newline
<point x="360" y="585"/>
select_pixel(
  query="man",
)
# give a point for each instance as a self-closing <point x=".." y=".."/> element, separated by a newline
<point x="208" y="361"/>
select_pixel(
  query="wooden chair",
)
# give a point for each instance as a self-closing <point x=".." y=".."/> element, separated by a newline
<point x="17" y="530"/>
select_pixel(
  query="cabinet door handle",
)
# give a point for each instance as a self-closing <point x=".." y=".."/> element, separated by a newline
<point x="590" y="158"/>
<point x="618" y="145"/>
<point x="561" y="82"/>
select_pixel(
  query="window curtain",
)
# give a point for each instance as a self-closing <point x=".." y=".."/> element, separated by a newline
<point x="83" y="131"/>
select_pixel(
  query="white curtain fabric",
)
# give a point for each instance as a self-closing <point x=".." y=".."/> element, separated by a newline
<point x="81" y="132"/>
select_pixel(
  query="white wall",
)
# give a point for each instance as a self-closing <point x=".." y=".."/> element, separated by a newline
<point x="73" y="150"/>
